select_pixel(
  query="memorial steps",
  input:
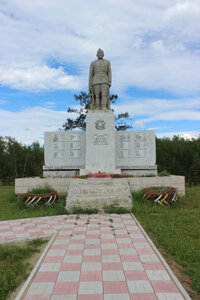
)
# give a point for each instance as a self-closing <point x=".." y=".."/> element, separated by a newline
<point x="98" y="193"/>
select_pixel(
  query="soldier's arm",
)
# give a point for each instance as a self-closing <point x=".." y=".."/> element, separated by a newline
<point x="90" y="75"/>
<point x="109" y="74"/>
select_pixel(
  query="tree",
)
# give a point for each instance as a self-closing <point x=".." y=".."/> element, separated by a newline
<point x="80" y="121"/>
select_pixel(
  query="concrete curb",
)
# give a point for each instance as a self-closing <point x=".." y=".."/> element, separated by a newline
<point x="177" y="282"/>
<point x="33" y="272"/>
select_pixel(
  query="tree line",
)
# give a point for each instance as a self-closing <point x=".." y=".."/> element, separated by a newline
<point x="177" y="156"/>
<point x="18" y="160"/>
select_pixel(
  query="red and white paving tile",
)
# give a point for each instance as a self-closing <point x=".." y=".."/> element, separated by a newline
<point x="96" y="257"/>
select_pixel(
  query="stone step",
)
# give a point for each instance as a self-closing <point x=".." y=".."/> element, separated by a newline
<point x="98" y="190"/>
<point x="98" y="193"/>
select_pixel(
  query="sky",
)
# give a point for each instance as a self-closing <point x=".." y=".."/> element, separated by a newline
<point x="47" y="47"/>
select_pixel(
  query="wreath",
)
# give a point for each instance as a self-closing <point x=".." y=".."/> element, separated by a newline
<point x="39" y="199"/>
<point x="160" y="195"/>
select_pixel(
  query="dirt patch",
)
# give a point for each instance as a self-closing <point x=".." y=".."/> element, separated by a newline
<point x="32" y="262"/>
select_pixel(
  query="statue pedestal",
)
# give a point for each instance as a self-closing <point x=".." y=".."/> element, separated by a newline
<point x="100" y="143"/>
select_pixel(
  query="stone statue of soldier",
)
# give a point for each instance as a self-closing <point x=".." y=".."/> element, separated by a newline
<point x="99" y="83"/>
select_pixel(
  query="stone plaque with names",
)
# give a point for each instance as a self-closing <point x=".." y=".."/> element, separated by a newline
<point x="124" y="146"/>
<point x="140" y="145"/>
<point x="74" y="146"/>
<point x="101" y="139"/>
<point x="58" y="146"/>
<point x="74" y="153"/>
<point x="74" y="137"/>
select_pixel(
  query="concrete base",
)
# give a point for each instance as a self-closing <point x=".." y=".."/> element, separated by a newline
<point x="97" y="193"/>
<point x="140" y="171"/>
<point x="61" y="185"/>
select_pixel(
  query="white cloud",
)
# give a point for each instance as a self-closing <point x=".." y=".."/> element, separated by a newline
<point x="184" y="11"/>
<point x="138" y="125"/>
<point x="174" y="116"/>
<point x="151" y="44"/>
<point x="159" y="46"/>
<point x="38" y="78"/>
<point x="161" y="109"/>
<point x="30" y="124"/>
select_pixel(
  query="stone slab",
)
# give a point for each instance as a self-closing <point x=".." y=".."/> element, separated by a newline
<point x="64" y="150"/>
<point x="136" y="150"/>
<point x="60" y="172"/>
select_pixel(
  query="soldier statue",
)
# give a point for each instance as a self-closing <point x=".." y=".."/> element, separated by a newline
<point x="99" y="83"/>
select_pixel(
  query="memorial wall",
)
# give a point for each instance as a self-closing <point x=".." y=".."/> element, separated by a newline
<point x="134" y="153"/>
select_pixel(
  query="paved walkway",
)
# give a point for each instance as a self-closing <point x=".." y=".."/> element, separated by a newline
<point x="95" y="257"/>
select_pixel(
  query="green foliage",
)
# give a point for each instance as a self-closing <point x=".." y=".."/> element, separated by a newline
<point x="46" y="189"/>
<point x="121" y="175"/>
<point x="80" y="121"/>
<point x="148" y="175"/>
<point x="115" y="208"/>
<point x="163" y="173"/>
<point x="14" y="267"/>
<point x="17" y="160"/>
<point x="195" y="168"/>
<point x="178" y="155"/>
<point x="121" y="122"/>
<point x="175" y="228"/>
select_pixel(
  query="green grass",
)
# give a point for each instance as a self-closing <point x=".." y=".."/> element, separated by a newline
<point x="115" y="208"/>
<point x="42" y="190"/>
<point x="14" y="265"/>
<point x="176" y="229"/>
<point x="12" y="207"/>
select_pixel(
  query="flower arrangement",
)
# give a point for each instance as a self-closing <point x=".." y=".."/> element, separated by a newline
<point x="160" y="195"/>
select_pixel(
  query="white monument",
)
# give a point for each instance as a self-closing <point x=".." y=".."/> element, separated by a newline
<point x="100" y="148"/>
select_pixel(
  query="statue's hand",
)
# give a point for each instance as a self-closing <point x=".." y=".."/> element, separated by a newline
<point x="109" y="83"/>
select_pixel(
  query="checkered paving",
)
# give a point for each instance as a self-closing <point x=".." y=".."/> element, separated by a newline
<point x="94" y="257"/>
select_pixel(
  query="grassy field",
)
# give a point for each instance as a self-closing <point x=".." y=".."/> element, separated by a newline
<point x="11" y="207"/>
<point x="15" y="264"/>
<point x="176" y="232"/>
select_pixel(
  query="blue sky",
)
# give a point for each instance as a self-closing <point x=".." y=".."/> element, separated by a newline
<point x="47" y="47"/>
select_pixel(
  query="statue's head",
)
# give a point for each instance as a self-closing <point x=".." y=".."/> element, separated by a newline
<point x="100" y="53"/>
